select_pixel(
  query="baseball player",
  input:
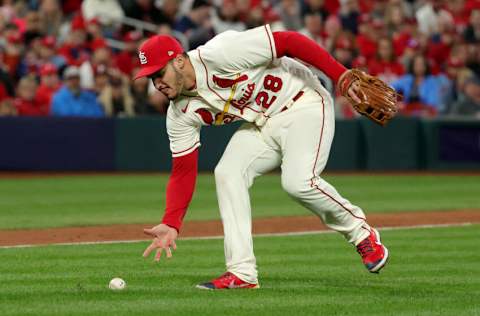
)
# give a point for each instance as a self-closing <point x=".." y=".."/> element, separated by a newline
<point x="289" y="122"/>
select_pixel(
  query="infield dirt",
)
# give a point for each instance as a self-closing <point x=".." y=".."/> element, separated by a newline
<point x="214" y="228"/>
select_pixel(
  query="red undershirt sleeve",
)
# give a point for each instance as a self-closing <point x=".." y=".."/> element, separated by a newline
<point x="180" y="187"/>
<point x="294" y="44"/>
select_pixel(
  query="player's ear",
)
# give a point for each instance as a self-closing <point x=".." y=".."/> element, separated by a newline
<point x="180" y="61"/>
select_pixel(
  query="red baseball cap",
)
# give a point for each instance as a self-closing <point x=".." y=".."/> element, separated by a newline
<point x="48" y="41"/>
<point x="14" y="38"/>
<point x="454" y="62"/>
<point x="360" y="61"/>
<point x="156" y="52"/>
<point x="364" y="18"/>
<point x="48" y="69"/>
<point x="132" y="36"/>
<point x="343" y="43"/>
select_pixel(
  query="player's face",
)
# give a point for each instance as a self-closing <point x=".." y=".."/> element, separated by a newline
<point x="169" y="81"/>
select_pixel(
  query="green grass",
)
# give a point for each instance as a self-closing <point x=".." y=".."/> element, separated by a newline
<point x="431" y="272"/>
<point x="90" y="200"/>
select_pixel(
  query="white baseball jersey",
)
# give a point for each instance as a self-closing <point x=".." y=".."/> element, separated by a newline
<point x="238" y="77"/>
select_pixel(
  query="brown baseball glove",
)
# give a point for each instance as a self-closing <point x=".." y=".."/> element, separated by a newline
<point x="378" y="100"/>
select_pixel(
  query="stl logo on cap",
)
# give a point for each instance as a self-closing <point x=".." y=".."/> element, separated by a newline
<point x="170" y="52"/>
<point x="142" y="57"/>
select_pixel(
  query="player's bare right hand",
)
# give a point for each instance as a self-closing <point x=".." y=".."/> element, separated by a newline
<point x="164" y="238"/>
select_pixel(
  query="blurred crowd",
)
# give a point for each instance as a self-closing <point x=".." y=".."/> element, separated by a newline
<point x="78" y="58"/>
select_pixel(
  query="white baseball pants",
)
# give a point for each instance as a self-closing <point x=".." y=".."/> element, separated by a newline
<point x="299" y="141"/>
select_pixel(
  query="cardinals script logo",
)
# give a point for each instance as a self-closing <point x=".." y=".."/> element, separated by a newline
<point x="142" y="57"/>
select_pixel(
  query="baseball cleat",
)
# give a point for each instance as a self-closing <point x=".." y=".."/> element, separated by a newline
<point x="227" y="281"/>
<point x="374" y="254"/>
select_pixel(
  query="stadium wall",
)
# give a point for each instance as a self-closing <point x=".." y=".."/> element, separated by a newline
<point x="141" y="144"/>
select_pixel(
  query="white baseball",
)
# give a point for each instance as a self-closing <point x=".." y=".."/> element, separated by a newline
<point x="117" y="284"/>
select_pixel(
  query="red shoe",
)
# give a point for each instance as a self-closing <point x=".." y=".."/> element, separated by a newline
<point x="227" y="281"/>
<point x="374" y="254"/>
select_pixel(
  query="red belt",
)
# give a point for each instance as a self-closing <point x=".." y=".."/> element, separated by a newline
<point x="295" y="98"/>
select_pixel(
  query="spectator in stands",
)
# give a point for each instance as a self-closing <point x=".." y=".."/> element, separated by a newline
<point x="460" y="13"/>
<point x="227" y="17"/>
<point x="49" y="84"/>
<point x="72" y="100"/>
<point x="26" y="102"/>
<point x="366" y="39"/>
<point x="71" y="6"/>
<point x="469" y="102"/>
<point x="108" y="12"/>
<point x="458" y="74"/>
<point x="431" y="15"/>
<point x="289" y="12"/>
<point x="147" y="11"/>
<point x="10" y="29"/>
<point x="318" y="6"/>
<point x="101" y="59"/>
<point x="3" y="23"/>
<point x="196" y="25"/>
<point x="33" y="27"/>
<point x="423" y="93"/>
<point x="406" y="7"/>
<point x="75" y="49"/>
<point x="472" y="32"/>
<point x="101" y="78"/>
<point x="413" y="48"/>
<point x="6" y="106"/>
<point x="95" y="34"/>
<point x="344" y="49"/>
<point x="385" y="64"/>
<point x="314" y="30"/>
<point x="6" y="80"/>
<point x="459" y="56"/>
<point x="127" y="59"/>
<point x="51" y="14"/>
<point x="441" y="43"/>
<point x="47" y="53"/>
<point x="349" y="15"/>
<point x="254" y="16"/>
<point x="473" y="58"/>
<point x="8" y="9"/>
<point x="167" y="30"/>
<point x="398" y="28"/>
<point x="376" y="9"/>
<point x="169" y="11"/>
<point x="379" y="28"/>
<point x="314" y="27"/>
<point x="333" y="28"/>
<point x="12" y="56"/>
<point x="30" y="62"/>
<point x="141" y="102"/>
<point x="116" y="97"/>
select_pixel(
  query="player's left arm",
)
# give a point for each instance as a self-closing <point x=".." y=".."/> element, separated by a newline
<point x="296" y="45"/>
